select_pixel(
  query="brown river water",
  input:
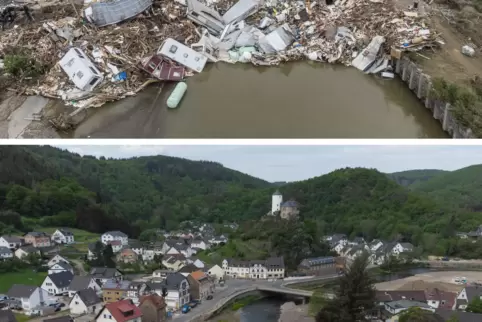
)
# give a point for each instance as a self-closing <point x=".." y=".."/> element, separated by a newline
<point x="295" y="100"/>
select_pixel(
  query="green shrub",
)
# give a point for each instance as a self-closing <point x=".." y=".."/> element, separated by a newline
<point x="22" y="65"/>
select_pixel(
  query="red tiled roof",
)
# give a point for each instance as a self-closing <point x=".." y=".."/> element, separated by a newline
<point x="448" y="298"/>
<point x="120" y="310"/>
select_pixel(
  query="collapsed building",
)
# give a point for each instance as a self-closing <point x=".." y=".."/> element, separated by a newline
<point x="126" y="45"/>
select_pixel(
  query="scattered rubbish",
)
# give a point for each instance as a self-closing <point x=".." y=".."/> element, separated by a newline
<point x="468" y="51"/>
<point x="367" y="57"/>
<point x="81" y="71"/>
<point x="171" y="40"/>
<point x="183" y="55"/>
<point x="177" y="95"/>
<point x="111" y="12"/>
<point x="159" y="68"/>
<point x="388" y="75"/>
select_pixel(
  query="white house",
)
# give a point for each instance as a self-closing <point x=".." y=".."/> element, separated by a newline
<point x="80" y="70"/>
<point x="197" y="262"/>
<point x="215" y="271"/>
<point x="25" y="251"/>
<point x="12" y="242"/>
<point x="177" y="287"/>
<point x="120" y="311"/>
<point x="218" y="240"/>
<point x="114" y="235"/>
<point x="199" y="243"/>
<point x="116" y="245"/>
<point x="272" y="267"/>
<point x="57" y="259"/>
<point x="63" y="236"/>
<point x="136" y="247"/>
<point x="29" y="296"/>
<point x="466" y="296"/>
<point x="401" y="248"/>
<point x="80" y="283"/>
<point x="180" y="249"/>
<point x="85" y="302"/>
<point x="58" y="283"/>
<point x="5" y="253"/>
<point x="60" y="267"/>
<point x="148" y="255"/>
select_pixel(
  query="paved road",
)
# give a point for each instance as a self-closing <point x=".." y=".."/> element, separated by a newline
<point x="234" y="286"/>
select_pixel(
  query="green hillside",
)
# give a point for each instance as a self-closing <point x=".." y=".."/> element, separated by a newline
<point x="39" y="182"/>
<point x="411" y="177"/>
<point x="460" y="189"/>
<point x="49" y="187"/>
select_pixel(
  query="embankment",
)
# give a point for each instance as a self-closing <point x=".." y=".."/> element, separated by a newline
<point x="421" y="85"/>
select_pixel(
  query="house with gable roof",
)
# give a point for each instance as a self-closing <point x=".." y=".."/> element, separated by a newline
<point x="63" y="236"/>
<point x="27" y="296"/>
<point x="80" y="283"/>
<point x="61" y="267"/>
<point x="153" y="308"/>
<point x="120" y="311"/>
<point x="57" y="283"/>
<point x="201" y="285"/>
<point x="272" y="267"/>
<point x="85" y="302"/>
<point x="12" y="242"/>
<point x="114" y="235"/>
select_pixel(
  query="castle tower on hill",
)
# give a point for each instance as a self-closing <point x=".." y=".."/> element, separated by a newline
<point x="276" y="201"/>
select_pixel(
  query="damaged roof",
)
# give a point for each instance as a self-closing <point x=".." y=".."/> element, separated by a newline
<point x="108" y="13"/>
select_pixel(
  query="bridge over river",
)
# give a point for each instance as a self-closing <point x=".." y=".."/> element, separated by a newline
<point x="248" y="286"/>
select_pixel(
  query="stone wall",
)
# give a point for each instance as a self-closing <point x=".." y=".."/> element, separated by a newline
<point x="421" y="85"/>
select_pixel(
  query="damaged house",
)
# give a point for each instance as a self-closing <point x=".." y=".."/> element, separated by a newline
<point x="183" y="55"/>
<point x="108" y="13"/>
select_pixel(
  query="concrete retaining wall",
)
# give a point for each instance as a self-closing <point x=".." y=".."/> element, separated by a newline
<point x="421" y="85"/>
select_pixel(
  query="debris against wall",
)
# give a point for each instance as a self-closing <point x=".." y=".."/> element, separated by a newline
<point x="273" y="32"/>
<point x="421" y="85"/>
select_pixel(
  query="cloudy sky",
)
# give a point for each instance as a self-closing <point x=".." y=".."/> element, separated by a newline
<point x="292" y="163"/>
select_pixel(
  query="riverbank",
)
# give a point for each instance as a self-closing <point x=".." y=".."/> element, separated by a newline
<point x="443" y="280"/>
<point x="290" y="312"/>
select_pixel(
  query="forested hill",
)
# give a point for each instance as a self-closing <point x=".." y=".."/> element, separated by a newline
<point x="50" y="187"/>
<point x="460" y="189"/>
<point x="40" y="182"/>
<point x="411" y="177"/>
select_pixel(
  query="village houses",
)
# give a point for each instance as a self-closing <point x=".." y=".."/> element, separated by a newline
<point x="37" y="239"/>
<point x="24" y="251"/>
<point x="58" y="283"/>
<point x="80" y="283"/>
<point x="5" y="253"/>
<point x="120" y="311"/>
<point x="85" y="302"/>
<point x="153" y="308"/>
<point x="104" y="274"/>
<point x="113" y="291"/>
<point x="57" y="259"/>
<point x="12" y="242"/>
<point x="215" y="271"/>
<point x="272" y="267"/>
<point x="60" y="267"/>
<point x="201" y="285"/>
<point x="178" y="290"/>
<point x="127" y="255"/>
<point x="114" y="235"/>
<point x="63" y="236"/>
<point x="28" y="296"/>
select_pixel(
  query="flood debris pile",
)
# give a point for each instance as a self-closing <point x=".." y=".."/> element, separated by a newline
<point x="118" y="47"/>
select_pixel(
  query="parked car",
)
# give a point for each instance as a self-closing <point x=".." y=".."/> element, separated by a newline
<point x="209" y="297"/>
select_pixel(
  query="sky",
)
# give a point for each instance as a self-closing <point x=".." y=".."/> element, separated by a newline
<point x="293" y="163"/>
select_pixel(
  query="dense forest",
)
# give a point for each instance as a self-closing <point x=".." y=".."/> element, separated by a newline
<point x="410" y="177"/>
<point x="45" y="186"/>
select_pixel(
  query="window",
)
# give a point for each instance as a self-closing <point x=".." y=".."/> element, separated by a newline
<point x="80" y="74"/>
<point x="93" y="70"/>
<point x="79" y="53"/>
<point x="105" y="316"/>
<point x="76" y="302"/>
<point x="173" y="49"/>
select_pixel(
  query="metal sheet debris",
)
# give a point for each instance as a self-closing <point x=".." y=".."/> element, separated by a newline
<point x="260" y="32"/>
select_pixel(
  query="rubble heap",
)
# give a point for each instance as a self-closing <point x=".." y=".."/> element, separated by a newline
<point x="276" y="31"/>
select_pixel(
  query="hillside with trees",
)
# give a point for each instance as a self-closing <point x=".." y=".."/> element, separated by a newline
<point x="46" y="186"/>
<point x="411" y="177"/>
<point x="460" y="189"/>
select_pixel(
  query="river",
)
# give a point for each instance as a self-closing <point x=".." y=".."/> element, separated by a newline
<point x="295" y="100"/>
<point x="268" y="309"/>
